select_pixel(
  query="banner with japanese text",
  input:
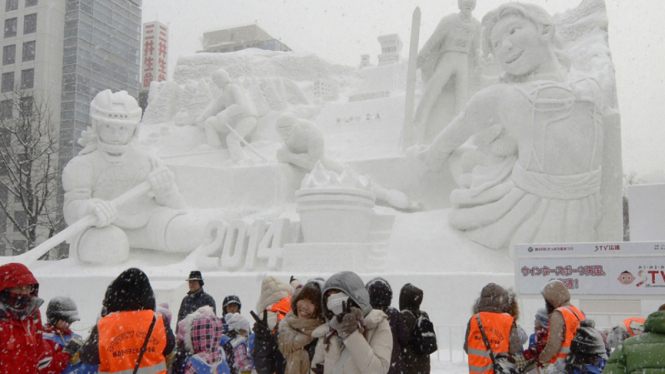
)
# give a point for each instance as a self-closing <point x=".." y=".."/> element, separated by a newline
<point x="154" y="63"/>
<point x="624" y="268"/>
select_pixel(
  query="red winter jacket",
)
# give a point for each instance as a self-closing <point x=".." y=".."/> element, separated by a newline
<point x="22" y="346"/>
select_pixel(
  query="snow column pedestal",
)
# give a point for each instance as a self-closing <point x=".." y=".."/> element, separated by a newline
<point x="341" y="231"/>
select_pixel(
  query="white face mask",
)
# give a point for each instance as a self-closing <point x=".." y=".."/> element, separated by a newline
<point x="335" y="302"/>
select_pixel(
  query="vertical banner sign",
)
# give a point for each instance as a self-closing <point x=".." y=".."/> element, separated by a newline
<point x="621" y="268"/>
<point x="155" y="53"/>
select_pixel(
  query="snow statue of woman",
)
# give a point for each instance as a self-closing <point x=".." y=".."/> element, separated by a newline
<point x="552" y="193"/>
<point x="110" y="164"/>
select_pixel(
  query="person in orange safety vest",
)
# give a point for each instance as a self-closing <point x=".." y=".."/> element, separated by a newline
<point x="564" y="321"/>
<point x="628" y="328"/>
<point x="116" y="341"/>
<point x="498" y="325"/>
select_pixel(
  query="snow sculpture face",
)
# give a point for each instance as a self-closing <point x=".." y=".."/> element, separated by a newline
<point x="221" y="78"/>
<point x="466" y="6"/>
<point x="518" y="46"/>
<point x="114" y="133"/>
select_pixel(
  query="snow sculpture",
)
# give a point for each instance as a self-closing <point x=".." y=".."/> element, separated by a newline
<point x="304" y="146"/>
<point x="110" y="164"/>
<point x="196" y="97"/>
<point x="545" y="131"/>
<point x="231" y="114"/>
<point x="451" y="51"/>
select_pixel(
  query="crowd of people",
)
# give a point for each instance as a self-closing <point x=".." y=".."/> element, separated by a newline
<point x="321" y="326"/>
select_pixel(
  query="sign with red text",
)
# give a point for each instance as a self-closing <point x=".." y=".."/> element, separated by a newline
<point x="622" y="268"/>
<point x="154" y="63"/>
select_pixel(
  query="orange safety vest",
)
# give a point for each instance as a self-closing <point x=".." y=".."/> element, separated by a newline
<point x="121" y="337"/>
<point x="571" y="319"/>
<point x="628" y="321"/>
<point x="497" y="328"/>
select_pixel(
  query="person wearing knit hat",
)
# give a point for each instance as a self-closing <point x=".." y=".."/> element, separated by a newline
<point x="238" y="332"/>
<point x="586" y="350"/>
<point x="196" y="297"/>
<point x="297" y="330"/>
<point x="538" y="340"/>
<point x="129" y="306"/>
<point x="380" y="297"/>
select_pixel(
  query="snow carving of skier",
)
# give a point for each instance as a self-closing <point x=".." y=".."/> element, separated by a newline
<point x="110" y="164"/>
<point x="451" y="51"/>
<point x="552" y="191"/>
<point x="304" y="145"/>
<point x="231" y="114"/>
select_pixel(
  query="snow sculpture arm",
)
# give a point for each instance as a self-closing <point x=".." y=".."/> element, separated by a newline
<point x="77" y="182"/>
<point x="306" y="160"/>
<point x="432" y="44"/>
<point x="163" y="186"/>
<point x="241" y="104"/>
<point x="214" y="107"/>
<point x="479" y="113"/>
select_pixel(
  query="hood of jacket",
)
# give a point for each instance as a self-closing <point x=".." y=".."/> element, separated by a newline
<point x="272" y="291"/>
<point x="16" y="274"/>
<point x="556" y="293"/>
<point x="206" y="333"/>
<point x="380" y="293"/>
<point x="410" y="298"/>
<point x="131" y="290"/>
<point x="493" y="298"/>
<point x="351" y="284"/>
<point x="655" y="322"/>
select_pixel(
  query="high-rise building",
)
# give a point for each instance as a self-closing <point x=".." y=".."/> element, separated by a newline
<point x="65" y="52"/>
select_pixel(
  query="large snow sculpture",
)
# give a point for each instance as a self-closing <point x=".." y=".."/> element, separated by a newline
<point x="553" y="118"/>
<point x="451" y="51"/>
<point x="231" y="114"/>
<point x="110" y="164"/>
<point x="304" y="146"/>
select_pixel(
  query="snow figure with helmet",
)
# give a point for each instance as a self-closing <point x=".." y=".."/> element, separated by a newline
<point x="110" y="164"/>
<point x="231" y="114"/>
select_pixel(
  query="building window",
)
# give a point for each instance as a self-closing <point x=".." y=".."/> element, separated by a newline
<point x="9" y="54"/>
<point x="30" y="23"/>
<point x="26" y="105"/>
<point x="29" y="51"/>
<point x="7" y="82"/>
<point x="29" y="3"/>
<point x="10" y="27"/>
<point x="27" y="78"/>
<point x="6" y="107"/>
<point x="11" y="5"/>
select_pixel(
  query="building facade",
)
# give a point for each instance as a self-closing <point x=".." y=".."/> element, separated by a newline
<point x="239" y="38"/>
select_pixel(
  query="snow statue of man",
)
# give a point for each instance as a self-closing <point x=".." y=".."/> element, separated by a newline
<point x="552" y="194"/>
<point x="231" y="114"/>
<point x="451" y="51"/>
<point x="304" y="146"/>
<point x="110" y="164"/>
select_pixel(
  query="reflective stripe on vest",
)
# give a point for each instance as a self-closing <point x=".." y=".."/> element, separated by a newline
<point x="571" y="319"/>
<point x="121" y="337"/>
<point x="628" y="321"/>
<point x="497" y="327"/>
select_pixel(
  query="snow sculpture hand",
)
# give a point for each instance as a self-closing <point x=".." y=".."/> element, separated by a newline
<point x="282" y="155"/>
<point x="104" y="211"/>
<point x="161" y="181"/>
<point x="223" y="117"/>
<point x="349" y="321"/>
<point x="418" y="156"/>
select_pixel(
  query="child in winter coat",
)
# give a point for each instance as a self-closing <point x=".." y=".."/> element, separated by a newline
<point x="203" y="339"/>
<point x="586" y="350"/>
<point x="238" y="332"/>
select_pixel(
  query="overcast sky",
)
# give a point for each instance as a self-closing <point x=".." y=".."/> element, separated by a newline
<point x="341" y="30"/>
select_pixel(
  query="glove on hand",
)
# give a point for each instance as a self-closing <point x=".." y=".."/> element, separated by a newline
<point x="260" y="328"/>
<point x="348" y="322"/>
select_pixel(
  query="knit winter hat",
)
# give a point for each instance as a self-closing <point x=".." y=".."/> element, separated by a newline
<point x="231" y="299"/>
<point x="272" y="291"/>
<point x="61" y="308"/>
<point x="236" y="322"/>
<point x="380" y="293"/>
<point x="543" y="318"/>
<point x="131" y="290"/>
<point x="588" y="341"/>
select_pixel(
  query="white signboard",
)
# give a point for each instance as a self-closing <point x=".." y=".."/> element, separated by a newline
<point x="624" y="268"/>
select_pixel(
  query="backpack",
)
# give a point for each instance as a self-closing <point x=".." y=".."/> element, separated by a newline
<point x="423" y="336"/>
